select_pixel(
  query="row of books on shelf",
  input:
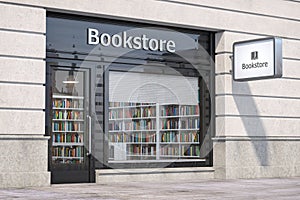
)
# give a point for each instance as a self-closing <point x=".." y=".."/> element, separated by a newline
<point x="68" y="137"/>
<point x="67" y="151"/>
<point x="169" y="124"/>
<point x="67" y="115"/>
<point x="179" y="137"/>
<point x="189" y="110"/>
<point x="66" y="103"/>
<point x="192" y="150"/>
<point x="166" y="110"/>
<point x="170" y="136"/>
<point x="133" y="113"/>
<point x="140" y="112"/>
<point x="124" y="104"/>
<point x="169" y="150"/>
<point x="170" y="110"/>
<point x="180" y="151"/>
<point x="140" y="125"/>
<point x="173" y="151"/>
<point x="116" y="114"/>
<point x="138" y="150"/>
<point x="149" y="112"/>
<point x="66" y="126"/>
<point x="137" y="137"/>
<point x="173" y="110"/>
<point x="133" y="125"/>
<point x="115" y="126"/>
<point x="190" y="123"/>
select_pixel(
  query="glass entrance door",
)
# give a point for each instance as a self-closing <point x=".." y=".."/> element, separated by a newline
<point x="71" y="125"/>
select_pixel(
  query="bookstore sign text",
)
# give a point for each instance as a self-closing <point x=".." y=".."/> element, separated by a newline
<point x="257" y="59"/>
<point x="126" y="41"/>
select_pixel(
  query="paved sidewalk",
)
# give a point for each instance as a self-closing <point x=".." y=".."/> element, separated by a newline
<point x="202" y="189"/>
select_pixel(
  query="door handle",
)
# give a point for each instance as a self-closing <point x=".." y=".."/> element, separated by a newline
<point x="89" y="135"/>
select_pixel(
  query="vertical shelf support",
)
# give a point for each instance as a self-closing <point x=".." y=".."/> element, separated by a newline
<point x="157" y="133"/>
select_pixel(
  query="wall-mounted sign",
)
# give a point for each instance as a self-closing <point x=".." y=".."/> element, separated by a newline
<point x="257" y="59"/>
<point x="126" y="41"/>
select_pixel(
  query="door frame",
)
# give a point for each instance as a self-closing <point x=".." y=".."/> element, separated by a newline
<point x="84" y="173"/>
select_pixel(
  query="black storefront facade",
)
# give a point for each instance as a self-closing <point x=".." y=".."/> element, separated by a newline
<point x="124" y="95"/>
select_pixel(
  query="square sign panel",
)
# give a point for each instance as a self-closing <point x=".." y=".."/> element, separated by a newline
<point x="257" y="59"/>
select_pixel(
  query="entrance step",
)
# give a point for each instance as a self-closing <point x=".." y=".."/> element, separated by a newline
<point x="153" y="174"/>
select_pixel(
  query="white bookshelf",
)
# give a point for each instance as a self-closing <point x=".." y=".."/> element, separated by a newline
<point x="68" y="128"/>
<point x="173" y="133"/>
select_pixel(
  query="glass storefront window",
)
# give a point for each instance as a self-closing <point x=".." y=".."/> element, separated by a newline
<point x="153" y="117"/>
<point x="146" y="105"/>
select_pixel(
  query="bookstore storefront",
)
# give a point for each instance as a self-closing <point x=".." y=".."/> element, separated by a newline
<point x="125" y="96"/>
<point x="109" y="91"/>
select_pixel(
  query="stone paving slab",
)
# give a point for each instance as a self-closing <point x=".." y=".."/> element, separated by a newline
<point x="287" y="188"/>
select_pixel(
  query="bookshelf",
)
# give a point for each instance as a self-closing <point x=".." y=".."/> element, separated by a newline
<point x="132" y="130"/>
<point x="151" y="131"/>
<point x="67" y="129"/>
<point x="179" y="131"/>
